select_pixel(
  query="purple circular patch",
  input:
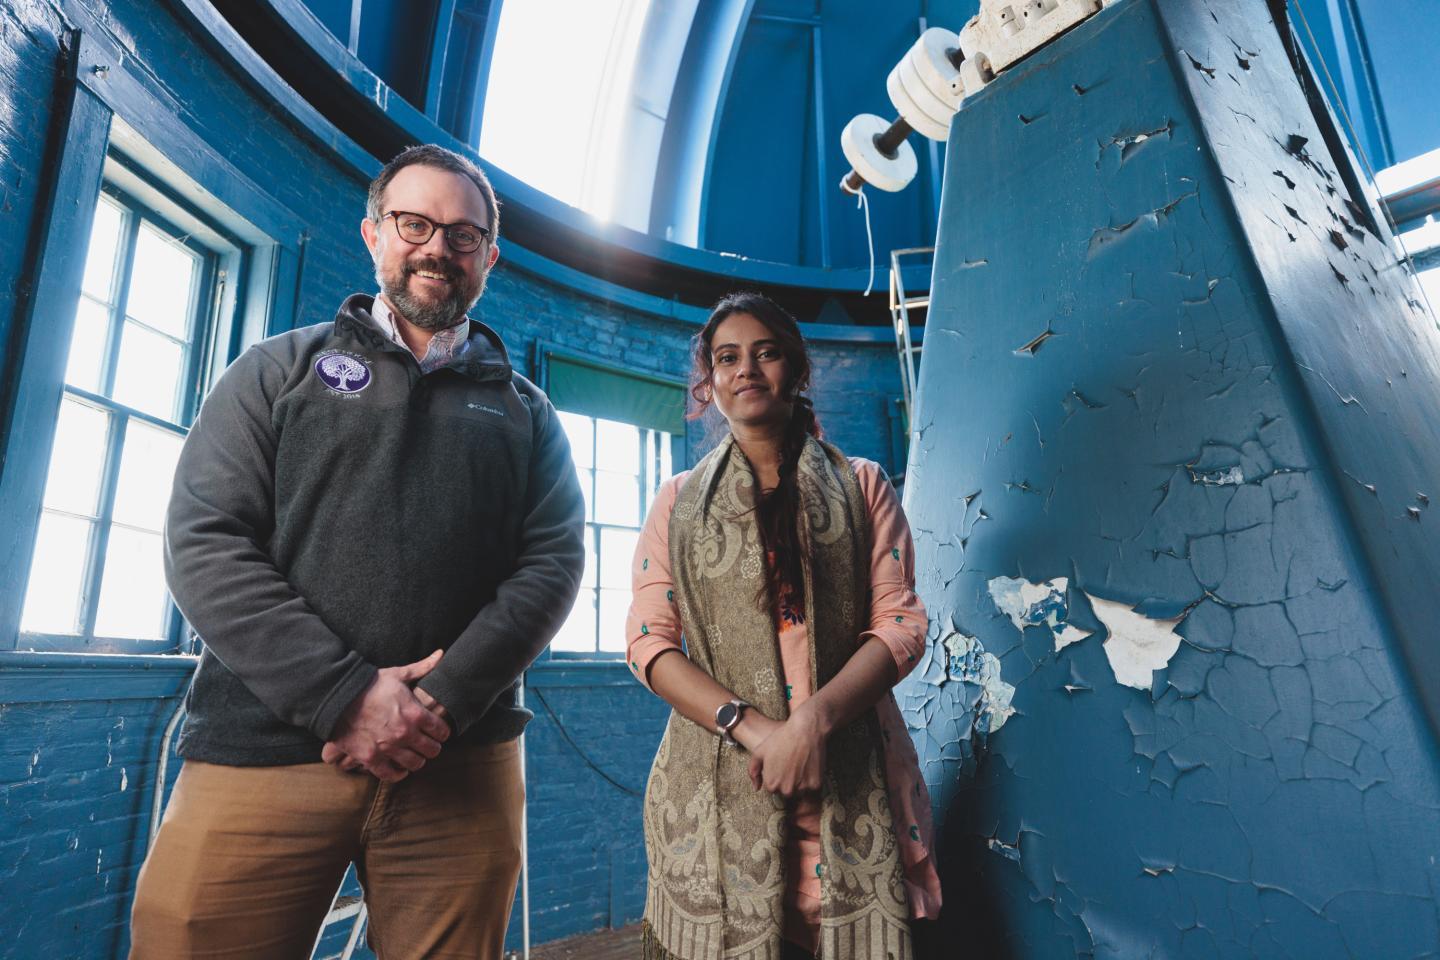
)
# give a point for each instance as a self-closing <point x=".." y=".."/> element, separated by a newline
<point x="343" y="373"/>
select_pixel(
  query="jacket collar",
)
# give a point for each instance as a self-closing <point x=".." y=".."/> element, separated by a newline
<point x="486" y="359"/>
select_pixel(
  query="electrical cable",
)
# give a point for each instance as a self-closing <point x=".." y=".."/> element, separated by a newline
<point x="576" y="747"/>
<point x="862" y="202"/>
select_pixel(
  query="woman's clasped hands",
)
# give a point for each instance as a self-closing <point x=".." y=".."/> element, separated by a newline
<point x="787" y="757"/>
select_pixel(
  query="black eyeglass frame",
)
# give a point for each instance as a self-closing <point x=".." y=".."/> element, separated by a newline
<point x="445" y="228"/>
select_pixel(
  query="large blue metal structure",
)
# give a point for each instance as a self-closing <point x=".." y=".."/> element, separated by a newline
<point x="1172" y="496"/>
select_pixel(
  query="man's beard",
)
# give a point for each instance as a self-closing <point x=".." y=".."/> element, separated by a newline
<point x="426" y="313"/>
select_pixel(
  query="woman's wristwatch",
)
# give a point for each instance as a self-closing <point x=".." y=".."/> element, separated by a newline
<point x="727" y="715"/>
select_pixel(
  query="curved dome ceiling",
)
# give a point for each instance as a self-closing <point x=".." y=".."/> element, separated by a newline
<point x="696" y="140"/>
<point x="712" y="124"/>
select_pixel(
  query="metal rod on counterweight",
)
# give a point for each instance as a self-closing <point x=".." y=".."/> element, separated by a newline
<point x="887" y="143"/>
<point x="891" y="139"/>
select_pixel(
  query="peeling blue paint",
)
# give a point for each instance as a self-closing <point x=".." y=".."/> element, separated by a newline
<point x="1214" y="447"/>
<point x="1037" y="604"/>
<point x="967" y="661"/>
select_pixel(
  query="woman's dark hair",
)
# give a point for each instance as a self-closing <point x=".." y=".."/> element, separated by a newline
<point x="777" y="510"/>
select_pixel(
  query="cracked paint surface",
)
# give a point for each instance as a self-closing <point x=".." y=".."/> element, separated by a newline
<point x="1033" y="604"/>
<point x="1226" y="454"/>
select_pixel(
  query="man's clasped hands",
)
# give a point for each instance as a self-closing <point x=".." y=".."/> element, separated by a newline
<point x="393" y="728"/>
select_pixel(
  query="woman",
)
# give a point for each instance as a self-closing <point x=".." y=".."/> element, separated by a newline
<point x="785" y="814"/>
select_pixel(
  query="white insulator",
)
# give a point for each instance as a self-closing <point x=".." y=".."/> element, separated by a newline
<point x="905" y="77"/>
<point x="918" y="118"/>
<point x="930" y="57"/>
<point x="891" y="174"/>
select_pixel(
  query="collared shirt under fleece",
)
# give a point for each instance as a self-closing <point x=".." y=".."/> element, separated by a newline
<point x="445" y="344"/>
<point x="332" y="518"/>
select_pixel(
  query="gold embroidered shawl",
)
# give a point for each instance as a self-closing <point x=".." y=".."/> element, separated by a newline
<point x="715" y="844"/>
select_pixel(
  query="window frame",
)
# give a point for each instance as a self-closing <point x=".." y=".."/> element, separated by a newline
<point x="201" y="332"/>
<point x="680" y="461"/>
<point x="594" y="529"/>
<point x="111" y="125"/>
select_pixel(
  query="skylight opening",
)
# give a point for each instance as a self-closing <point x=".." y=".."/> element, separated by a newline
<point x="555" y="102"/>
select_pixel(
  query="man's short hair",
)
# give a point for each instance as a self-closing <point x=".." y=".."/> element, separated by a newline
<point x="433" y="155"/>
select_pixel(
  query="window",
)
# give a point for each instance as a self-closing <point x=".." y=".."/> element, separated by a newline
<point x="620" y="467"/>
<point x="132" y="383"/>
<point x="627" y="433"/>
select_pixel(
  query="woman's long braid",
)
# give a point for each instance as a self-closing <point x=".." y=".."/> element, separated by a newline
<point x="779" y="512"/>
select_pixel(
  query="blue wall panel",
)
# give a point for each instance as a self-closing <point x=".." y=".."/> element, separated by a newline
<point x="78" y="747"/>
<point x="1173" y="404"/>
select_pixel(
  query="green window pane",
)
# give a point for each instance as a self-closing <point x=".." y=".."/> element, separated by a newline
<point x="617" y="447"/>
<point x="640" y="400"/>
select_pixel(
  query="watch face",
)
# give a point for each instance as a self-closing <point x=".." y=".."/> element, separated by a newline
<point x="726" y="716"/>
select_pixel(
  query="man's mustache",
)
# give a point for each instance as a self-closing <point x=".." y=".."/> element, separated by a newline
<point x="447" y="270"/>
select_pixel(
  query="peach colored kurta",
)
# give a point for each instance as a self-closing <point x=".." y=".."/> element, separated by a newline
<point x="897" y="619"/>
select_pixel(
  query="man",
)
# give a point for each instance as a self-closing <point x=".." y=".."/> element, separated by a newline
<point x="375" y="527"/>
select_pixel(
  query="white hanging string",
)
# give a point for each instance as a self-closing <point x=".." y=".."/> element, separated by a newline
<point x="862" y="202"/>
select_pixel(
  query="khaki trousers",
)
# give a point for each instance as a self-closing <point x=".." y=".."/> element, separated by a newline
<point x="248" y="858"/>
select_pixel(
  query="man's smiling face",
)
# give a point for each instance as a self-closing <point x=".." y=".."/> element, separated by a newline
<point x="429" y="283"/>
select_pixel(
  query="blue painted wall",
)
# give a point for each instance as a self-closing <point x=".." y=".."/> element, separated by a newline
<point x="78" y="743"/>
<point x="1177" y="430"/>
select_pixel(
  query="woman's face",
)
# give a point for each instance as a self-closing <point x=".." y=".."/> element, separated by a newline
<point x="750" y="372"/>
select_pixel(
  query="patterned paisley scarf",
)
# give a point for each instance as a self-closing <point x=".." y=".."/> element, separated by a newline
<point x="715" y="844"/>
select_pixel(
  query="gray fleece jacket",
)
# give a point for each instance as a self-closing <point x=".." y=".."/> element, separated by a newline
<point x="335" y="511"/>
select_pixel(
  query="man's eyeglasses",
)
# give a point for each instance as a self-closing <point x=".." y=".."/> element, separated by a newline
<point x="414" y="228"/>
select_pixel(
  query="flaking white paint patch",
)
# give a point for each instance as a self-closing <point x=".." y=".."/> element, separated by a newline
<point x="1010" y="851"/>
<point x="1219" y="478"/>
<point x="1135" y="645"/>
<point x="1037" y="604"/>
<point x="966" y="660"/>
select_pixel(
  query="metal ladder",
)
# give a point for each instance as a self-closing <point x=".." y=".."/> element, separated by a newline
<point x="907" y="352"/>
